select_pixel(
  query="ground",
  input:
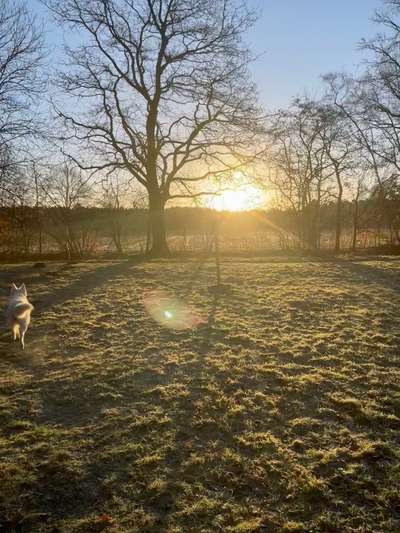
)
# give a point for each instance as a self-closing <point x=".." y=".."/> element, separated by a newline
<point x="277" y="410"/>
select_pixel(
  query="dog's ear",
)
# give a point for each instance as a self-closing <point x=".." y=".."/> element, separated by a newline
<point x="23" y="289"/>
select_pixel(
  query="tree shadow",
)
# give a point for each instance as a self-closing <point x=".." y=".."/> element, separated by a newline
<point x="369" y="273"/>
<point x="88" y="281"/>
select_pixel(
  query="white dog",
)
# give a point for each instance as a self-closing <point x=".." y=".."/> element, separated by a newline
<point x="18" y="312"/>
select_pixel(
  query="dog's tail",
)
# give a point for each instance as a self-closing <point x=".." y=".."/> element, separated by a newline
<point x="22" y="309"/>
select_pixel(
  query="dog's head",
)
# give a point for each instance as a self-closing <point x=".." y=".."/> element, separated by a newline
<point x="18" y="290"/>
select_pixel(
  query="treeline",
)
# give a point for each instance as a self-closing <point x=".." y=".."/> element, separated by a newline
<point x="28" y="231"/>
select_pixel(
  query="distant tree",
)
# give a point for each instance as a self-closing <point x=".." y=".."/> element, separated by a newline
<point x="117" y="196"/>
<point x="340" y="152"/>
<point x="65" y="188"/>
<point x="374" y="136"/>
<point x="111" y="202"/>
<point x="372" y="103"/>
<point x="301" y="170"/>
<point x="167" y="93"/>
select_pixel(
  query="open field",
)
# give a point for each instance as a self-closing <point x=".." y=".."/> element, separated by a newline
<point x="278" y="412"/>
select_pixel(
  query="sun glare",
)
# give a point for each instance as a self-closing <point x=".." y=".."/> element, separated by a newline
<point x="241" y="199"/>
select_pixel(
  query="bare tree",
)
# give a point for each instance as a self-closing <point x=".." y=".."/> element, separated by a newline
<point x="376" y="134"/>
<point x="21" y="77"/>
<point x="302" y="171"/>
<point x="111" y="201"/>
<point x="117" y="195"/>
<point x="167" y="93"/>
<point x="65" y="188"/>
<point x="21" y="81"/>
<point x="372" y="104"/>
<point x="336" y="136"/>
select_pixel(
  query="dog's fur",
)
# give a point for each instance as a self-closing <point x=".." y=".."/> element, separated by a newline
<point x="18" y="314"/>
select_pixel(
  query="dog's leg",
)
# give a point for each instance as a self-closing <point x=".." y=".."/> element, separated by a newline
<point x="22" y="331"/>
<point x="15" y="331"/>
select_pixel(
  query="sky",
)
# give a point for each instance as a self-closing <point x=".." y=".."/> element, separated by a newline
<point x="296" y="41"/>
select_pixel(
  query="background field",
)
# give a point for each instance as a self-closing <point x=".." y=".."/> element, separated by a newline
<point x="279" y="412"/>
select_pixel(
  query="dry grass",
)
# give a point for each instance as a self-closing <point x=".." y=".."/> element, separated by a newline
<point x="279" y="413"/>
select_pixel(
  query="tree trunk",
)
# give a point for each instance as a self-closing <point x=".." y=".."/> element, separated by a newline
<point x="116" y="232"/>
<point x="159" y="246"/>
<point x="38" y="213"/>
<point x="148" y="235"/>
<point x="40" y="233"/>
<point x="338" y="234"/>
<point x="355" y="220"/>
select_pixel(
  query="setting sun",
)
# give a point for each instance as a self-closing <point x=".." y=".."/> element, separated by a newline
<point x="241" y="199"/>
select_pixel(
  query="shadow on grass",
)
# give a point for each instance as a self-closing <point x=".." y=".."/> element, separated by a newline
<point x="367" y="273"/>
<point x="88" y="281"/>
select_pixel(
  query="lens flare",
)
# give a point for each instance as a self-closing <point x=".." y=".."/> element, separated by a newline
<point x="170" y="311"/>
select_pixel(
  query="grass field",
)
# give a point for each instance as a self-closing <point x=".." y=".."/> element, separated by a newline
<point x="278" y="412"/>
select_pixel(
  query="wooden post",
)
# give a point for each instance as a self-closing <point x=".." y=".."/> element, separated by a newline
<point x="217" y="249"/>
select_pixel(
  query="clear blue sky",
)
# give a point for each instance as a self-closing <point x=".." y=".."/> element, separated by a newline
<point x="301" y="39"/>
<point x="298" y="40"/>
